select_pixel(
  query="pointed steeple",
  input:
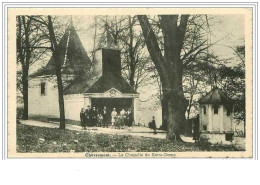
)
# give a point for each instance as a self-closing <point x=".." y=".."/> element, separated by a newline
<point x="71" y="22"/>
<point x="215" y="81"/>
<point x="74" y="56"/>
<point x="70" y="27"/>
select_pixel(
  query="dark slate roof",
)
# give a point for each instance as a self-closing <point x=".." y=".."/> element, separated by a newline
<point x="109" y="81"/>
<point x="99" y="84"/>
<point x="77" y="61"/>
<point x="79" y="85"/>
<point x="215" y="96"/>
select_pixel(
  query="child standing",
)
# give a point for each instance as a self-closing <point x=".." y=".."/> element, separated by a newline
<point x="100" y="119"/>
<point x="117" y="122"/>
<point x="113" y="117"/>
<point x="153" y="126"/>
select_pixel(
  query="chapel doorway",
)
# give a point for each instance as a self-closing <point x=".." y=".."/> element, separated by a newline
<point x="110" y="103"/>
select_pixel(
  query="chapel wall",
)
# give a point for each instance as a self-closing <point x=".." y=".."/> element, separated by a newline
<point x="46" y="105"/>
<point x="43" y="105"/>
<point x="227" y="121"/>
<point x="73" y="104"/>
<point x="217" y="119"/>
<point x="204" y="118"/>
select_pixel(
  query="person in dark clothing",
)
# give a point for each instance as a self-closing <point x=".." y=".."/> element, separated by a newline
<point x="82" y="118"/>
<point x="129" y="118"/>
<point x="88" y="116"/>
<point x="105" y="117"/>
<point x="94" y="116"/>
<point x="97" y="113"/>
<point x="153" y="126"/>
<point x="196" y="129"/>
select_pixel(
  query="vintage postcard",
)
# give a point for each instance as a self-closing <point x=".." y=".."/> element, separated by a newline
<point x="130" y="82"/>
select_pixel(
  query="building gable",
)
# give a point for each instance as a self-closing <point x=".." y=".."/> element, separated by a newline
<point x="113" y="93"/>
<point x="74" y="58"/>
<point x="109" y="81"/>
<point x="215" y="96"/>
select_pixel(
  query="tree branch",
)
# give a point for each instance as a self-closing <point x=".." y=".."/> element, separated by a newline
<point x="153" y="46"/>
<point x="182" y="30"/>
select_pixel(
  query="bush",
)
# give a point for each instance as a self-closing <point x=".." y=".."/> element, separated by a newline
<point x="19" y="112"/>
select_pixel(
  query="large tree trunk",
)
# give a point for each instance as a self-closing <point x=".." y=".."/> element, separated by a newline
<point x="164" y="104"/>
<point x="176" y="115"/>
<point x="174" y="118"/>
<point x="189" y="107"/>
<point x="176" y="105"/>
<point x="25" y="67"/>
<point x="131" y="54"/>
<point x="25" y="93"/>
<point x="244" y="125"/>
<point x="58" y="62"/>
<point x="169" y="66"/>
<point x="61" y="99"/>
<point x="131" y="77"/>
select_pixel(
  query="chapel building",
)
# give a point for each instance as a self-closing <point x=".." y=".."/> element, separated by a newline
<point x="96" y="84"/>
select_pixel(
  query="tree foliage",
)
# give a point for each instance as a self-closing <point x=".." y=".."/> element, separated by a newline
<point x="123" y="32"/>
<point x="30" y="48"/>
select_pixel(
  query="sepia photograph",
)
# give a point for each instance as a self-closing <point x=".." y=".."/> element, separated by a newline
<point x="130" y="83"/>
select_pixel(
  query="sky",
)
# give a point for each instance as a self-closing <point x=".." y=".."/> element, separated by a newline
<point x="228" y="30"/>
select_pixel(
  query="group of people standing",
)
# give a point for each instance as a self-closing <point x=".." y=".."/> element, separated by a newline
<point x="121" y="119"/>
<point x="94" y="117"/>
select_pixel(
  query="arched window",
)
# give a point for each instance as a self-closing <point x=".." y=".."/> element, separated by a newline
<point x="215" y="109"/>
<point x="204" y="109"/>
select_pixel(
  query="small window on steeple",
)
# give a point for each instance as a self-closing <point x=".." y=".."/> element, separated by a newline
<point x="43" y="88"/>
<point x="204" y="109"/>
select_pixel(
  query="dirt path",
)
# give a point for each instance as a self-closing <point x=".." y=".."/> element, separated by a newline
<point x="135" y="131"/>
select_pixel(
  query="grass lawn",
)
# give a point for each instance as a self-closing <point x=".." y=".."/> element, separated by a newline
<point x="48" y="120"/>
<point x="51" y="140"/>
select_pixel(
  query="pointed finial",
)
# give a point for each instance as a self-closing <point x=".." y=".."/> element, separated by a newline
<point x="215" y="80"/>
<point x="71" y="21"/>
